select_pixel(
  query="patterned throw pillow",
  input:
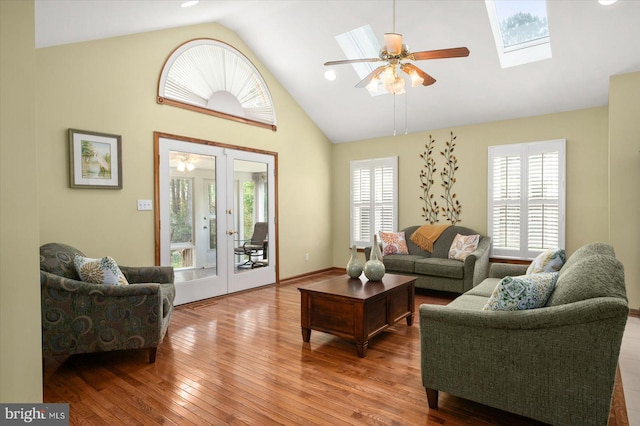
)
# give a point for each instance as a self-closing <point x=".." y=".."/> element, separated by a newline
<point x="393" y="243"/>
<point x="463" y="246"/>
<point x="99" y="271"/>
<point x="523" y="292"/>
<point x="548" y="261"/>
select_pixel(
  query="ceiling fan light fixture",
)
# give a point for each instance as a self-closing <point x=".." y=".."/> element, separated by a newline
<point x="372" y="87"/>
<point x="416" y="80"/>
<point x="393" y="43"/>
<point x="396" y="87"/>
<point x="389" y="74"/>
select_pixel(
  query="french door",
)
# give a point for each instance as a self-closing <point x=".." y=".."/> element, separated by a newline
<point x="209" y="199"/>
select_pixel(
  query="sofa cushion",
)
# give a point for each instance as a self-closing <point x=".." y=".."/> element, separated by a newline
<point x="400" y="262"/>
<point x="393" y="243"/>
<point x="467" y="301"/>
<point x="485" y="288"/>
<point x="57" y="259"/>
<point x="436" y="267"/>
<point x="598" y="275"/>
<point x="463" y="245"/>
<point x="586" y="251"/>
<point x="548" y="261"/>
<point x="523" y="292"/>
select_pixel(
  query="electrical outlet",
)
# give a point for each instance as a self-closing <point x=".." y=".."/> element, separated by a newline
<point x="145" y="205"/>
<point x="306" y="256"/>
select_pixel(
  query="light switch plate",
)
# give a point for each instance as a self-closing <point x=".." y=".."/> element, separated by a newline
<point x="145" y="205"/>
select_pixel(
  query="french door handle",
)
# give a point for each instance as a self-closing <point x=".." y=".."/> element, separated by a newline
<point x="230" y="232"/>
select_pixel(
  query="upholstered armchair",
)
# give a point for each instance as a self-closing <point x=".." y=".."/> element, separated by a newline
<point x="81" y="317"/>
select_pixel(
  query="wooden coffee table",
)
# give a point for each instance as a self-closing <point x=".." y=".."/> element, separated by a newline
<point x="356" y="309"/>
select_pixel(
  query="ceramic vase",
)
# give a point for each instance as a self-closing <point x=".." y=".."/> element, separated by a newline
<point x="374" y="268"/>
<point x="354" y="267"/>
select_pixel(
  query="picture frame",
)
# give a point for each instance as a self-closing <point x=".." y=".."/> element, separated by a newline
<point x="95" y="160"/>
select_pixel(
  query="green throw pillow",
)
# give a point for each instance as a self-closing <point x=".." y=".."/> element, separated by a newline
<point x="99" y="271"/>
<point x="523" y="292"/>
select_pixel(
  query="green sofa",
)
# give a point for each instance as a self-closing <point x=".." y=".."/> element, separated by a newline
<point x="80" y="317"/>
<point x="556" y="364"/>
<point x="435" y="271"/>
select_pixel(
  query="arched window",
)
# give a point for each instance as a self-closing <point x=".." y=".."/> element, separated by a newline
<point x="211" y="77"/>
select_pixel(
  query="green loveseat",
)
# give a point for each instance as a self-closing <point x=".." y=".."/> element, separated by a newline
<point x="556" y="364"/>
<point x="435" y="271"/>
<point x="80" y="317"/>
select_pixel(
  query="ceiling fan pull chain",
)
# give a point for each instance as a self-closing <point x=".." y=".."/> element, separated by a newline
<point x="394" y="114"/>
<point x="406" y="126"/>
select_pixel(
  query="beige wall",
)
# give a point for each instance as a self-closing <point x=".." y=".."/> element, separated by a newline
<point x="587" y="188"/>
<point x="624" y="168"/>
<point x="20" y="359"/>
<point x="111" y="86"/>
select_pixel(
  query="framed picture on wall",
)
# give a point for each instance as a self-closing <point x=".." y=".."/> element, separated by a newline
<point x="95" y="160"/>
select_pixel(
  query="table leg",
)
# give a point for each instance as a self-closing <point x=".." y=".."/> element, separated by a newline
<point x="361" y="348"/>
<point x="306" y="334"/>
<point x="410" y="319"/>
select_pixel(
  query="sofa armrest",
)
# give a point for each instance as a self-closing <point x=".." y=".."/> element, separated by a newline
<point x="148" y="274"/>
<point x="501" y="270"/>
<point x="476" y="265"/>
<point x="367" y="253"/>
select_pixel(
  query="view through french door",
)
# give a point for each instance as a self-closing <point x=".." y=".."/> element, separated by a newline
<point x="215" y="216"/>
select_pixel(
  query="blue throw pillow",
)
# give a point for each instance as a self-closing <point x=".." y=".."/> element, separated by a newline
<point x="523" y="292"/>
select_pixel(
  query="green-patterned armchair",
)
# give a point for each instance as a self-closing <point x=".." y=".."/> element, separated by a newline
<point x="80" y="317"/>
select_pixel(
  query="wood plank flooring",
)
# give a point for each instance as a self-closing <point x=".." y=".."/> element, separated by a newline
<point x="240" y="359"/>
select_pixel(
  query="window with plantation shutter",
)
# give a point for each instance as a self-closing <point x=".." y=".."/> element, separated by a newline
<point x="526" y="198"/>
<point x="374" y="198"/>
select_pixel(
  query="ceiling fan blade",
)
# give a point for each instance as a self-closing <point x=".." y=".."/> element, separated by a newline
<point x="427" y="79"/>
<point x="352" y="61"/>
<point x="456" y="52"/>
<point x="370" y="77"/>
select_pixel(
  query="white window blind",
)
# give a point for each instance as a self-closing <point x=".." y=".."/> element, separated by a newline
<point x="526" y="198"/>
<point x="374" y="198"/>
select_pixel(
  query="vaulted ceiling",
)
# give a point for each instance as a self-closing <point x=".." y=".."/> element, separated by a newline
<point x="293" y="39"/>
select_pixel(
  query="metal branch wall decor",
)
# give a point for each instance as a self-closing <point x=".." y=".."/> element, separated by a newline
<point x="452" y="207"/>
<point x="430" y="210"/>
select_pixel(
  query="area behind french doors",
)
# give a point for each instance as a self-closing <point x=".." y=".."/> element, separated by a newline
<point x="208" y="199"/>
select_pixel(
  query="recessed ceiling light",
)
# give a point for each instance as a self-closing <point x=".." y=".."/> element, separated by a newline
<point x="607" y="2"/>
<point x="330" y="75"/>
<point x="189" y="3"/>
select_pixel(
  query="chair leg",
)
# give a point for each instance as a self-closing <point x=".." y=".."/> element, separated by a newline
<point x="432" y="398"/>
<point x="152" y="354"/>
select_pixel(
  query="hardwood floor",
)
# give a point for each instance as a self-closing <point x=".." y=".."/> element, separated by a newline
<point x="240" y="359"/>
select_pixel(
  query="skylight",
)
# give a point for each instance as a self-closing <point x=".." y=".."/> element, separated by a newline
<point x="360" y="43"/>
<point x="520" y="29"/>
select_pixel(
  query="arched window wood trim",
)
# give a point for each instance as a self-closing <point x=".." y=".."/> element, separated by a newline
<point x="212" y="77"/>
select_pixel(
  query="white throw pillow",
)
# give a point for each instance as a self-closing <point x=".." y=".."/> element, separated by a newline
<point x="99" y="271"/>
<point x="463" y="245"/>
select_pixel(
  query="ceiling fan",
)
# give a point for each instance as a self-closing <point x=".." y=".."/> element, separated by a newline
<point x="394" y="52"/>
